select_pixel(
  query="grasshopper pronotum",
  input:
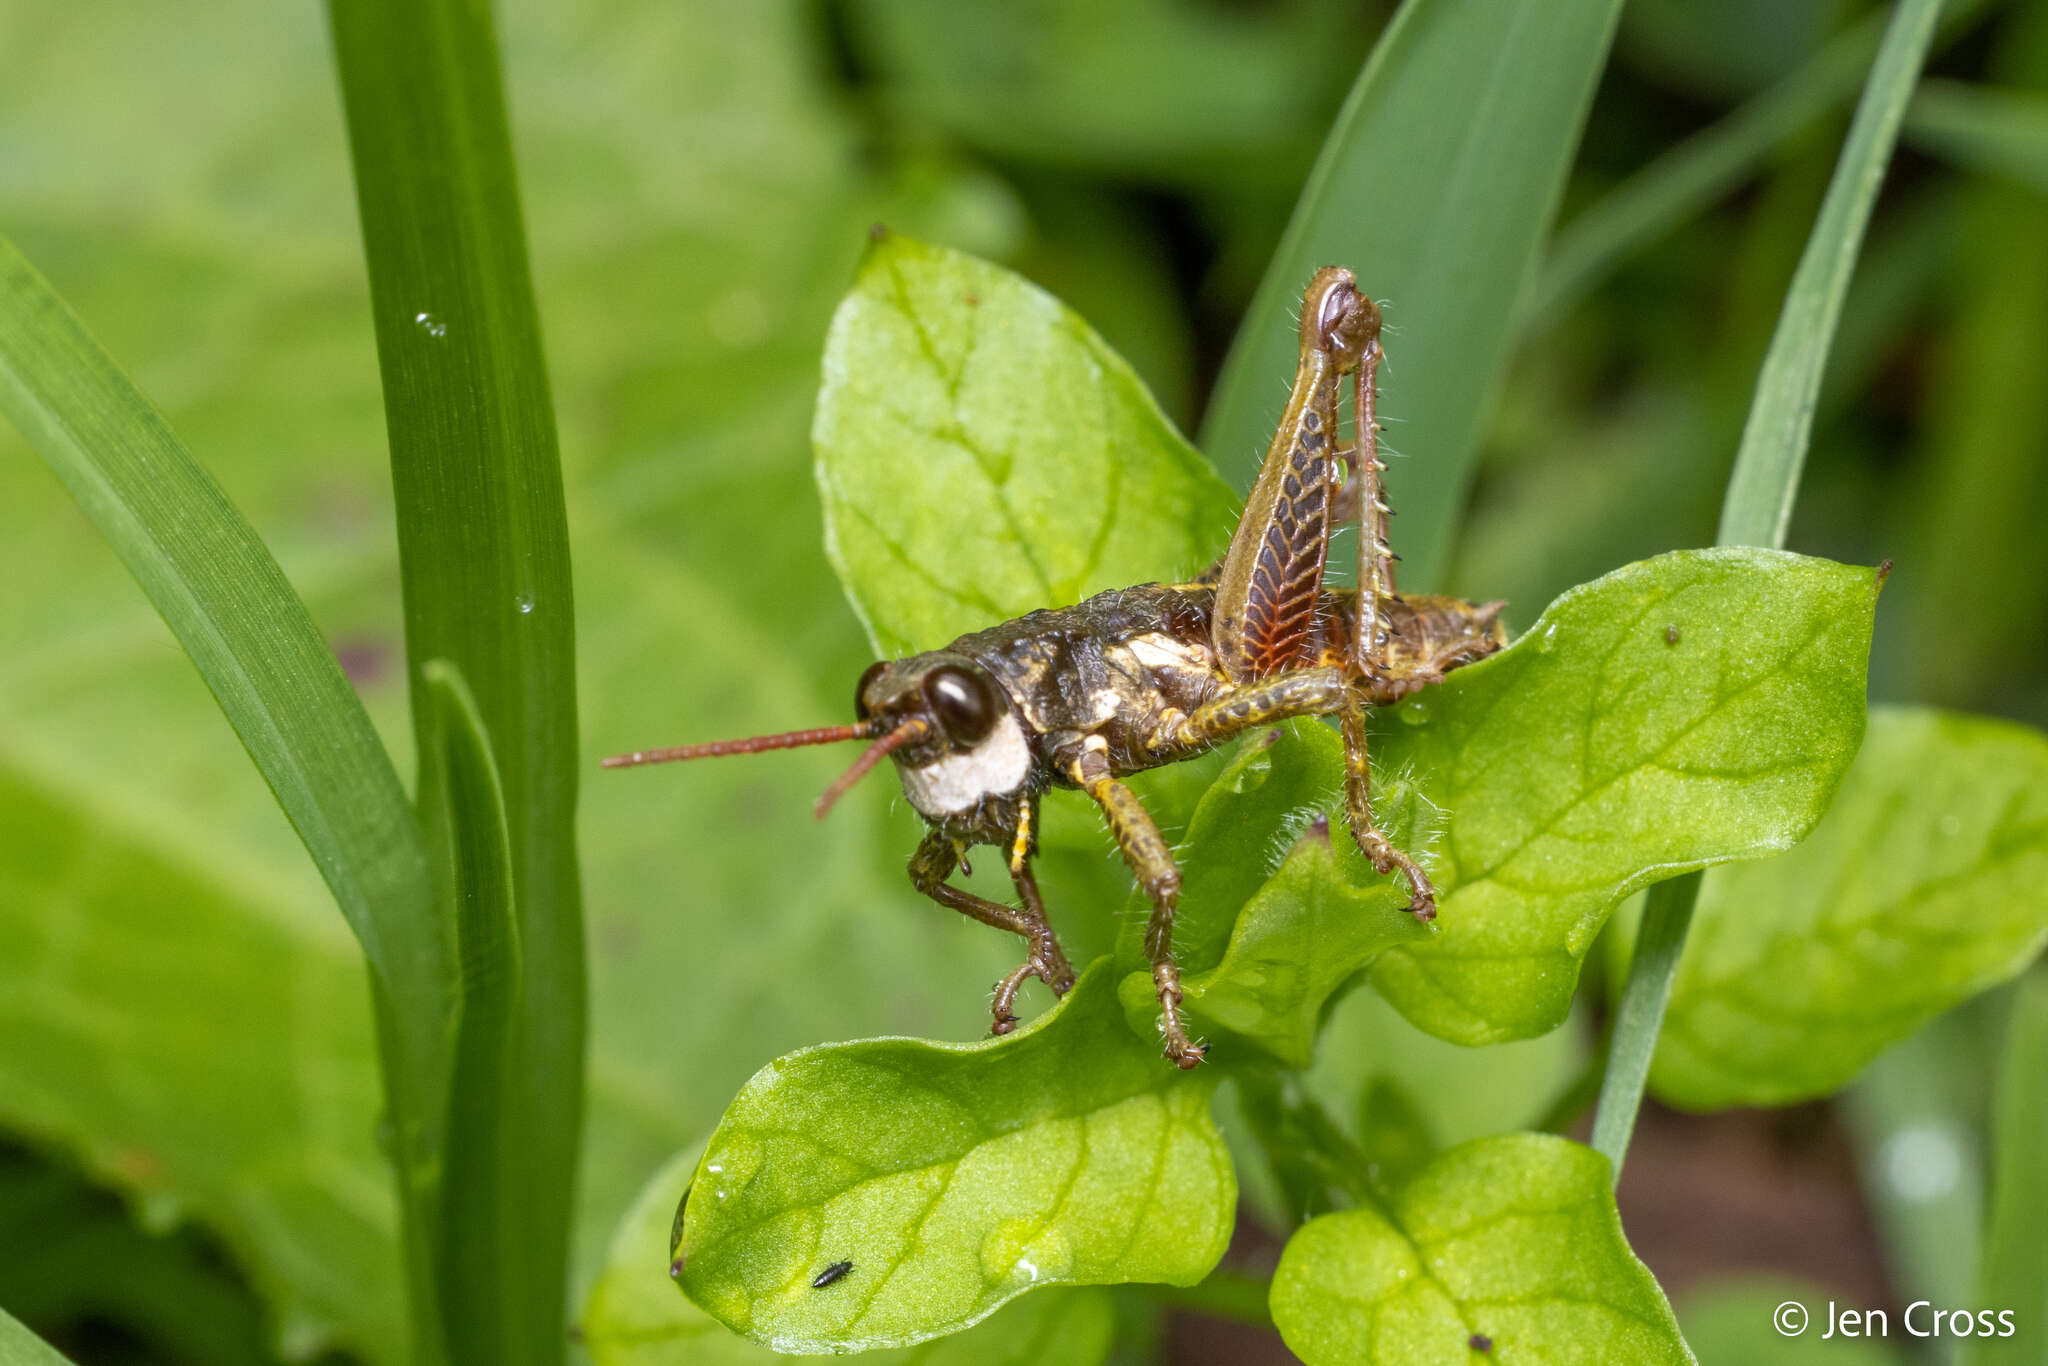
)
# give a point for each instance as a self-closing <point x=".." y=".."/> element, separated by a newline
<point x="1082" y="696"/>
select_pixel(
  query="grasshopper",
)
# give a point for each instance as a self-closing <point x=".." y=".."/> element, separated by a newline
<point x="1081" y="697"/>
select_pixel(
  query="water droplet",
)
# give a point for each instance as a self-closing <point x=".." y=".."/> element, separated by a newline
<point x="1547" y="642"/>
<point x="732" y="1167"/>
<point x="1415" y="712"/>
<point x="525" y="603"/>
<point x="430" y="325"/>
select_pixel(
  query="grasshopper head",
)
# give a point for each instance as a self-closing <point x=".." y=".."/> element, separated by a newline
<point x="966" y="744"/>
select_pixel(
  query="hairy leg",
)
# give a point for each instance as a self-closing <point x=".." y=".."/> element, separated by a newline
<point x="1151" y="862"/>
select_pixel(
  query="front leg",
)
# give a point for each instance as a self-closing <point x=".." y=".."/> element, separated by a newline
<point x="933" y="863"/>
<point x="1151" y="862"/>
<point x="1358" y="814"/>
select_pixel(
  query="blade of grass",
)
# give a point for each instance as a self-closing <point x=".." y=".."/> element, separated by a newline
<point x="1436" y="184"/>
<point x="1999" y="132"/>
<point x="19" y="1347"/>
<point x="483" y="545"/>
<point x="1758" y="505"/>
<point x="1688" y="177"/>
<point x="463" y="807"/>
<point x="245" y="630"/>
<point x="2015" y="1257"/>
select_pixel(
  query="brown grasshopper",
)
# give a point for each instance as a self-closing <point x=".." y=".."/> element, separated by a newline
<point x="1082" y="696"/>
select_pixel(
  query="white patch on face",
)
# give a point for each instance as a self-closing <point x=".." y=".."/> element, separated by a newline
<point x="957" y="783"/>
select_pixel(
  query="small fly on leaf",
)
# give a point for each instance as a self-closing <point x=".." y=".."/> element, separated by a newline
<point x="1081" y="697"/>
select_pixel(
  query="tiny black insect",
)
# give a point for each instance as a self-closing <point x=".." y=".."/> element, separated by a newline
<point x="830" y="1274"/>
<point x="1479" y="1342"/>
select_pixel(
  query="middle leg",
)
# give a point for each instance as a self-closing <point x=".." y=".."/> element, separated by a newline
<point x="934" y="862"/>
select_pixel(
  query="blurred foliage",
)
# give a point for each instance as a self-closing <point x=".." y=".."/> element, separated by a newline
<point x="699" y="179"/>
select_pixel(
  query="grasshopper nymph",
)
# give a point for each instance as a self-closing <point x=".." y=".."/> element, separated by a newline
<point x="1082" y="696"/>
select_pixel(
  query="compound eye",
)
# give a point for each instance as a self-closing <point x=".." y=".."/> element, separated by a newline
<point x="860" y="689"/>
<point x="964" y="701"/>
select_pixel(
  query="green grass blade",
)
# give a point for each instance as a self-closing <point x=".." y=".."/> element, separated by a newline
<point x="482" y="534"/>
<point x="2015" y="1265"/>
<point x="1999" y="132"/>
<point x="251" y="639"/>
<point x="1436" y="185"/>
<point x="19" y="1347"/>
<point x="1693" y="174"/>
<point x="1667" y="915"/>
<point x="1758" y="506"/>
<point x="477" y="1263"/>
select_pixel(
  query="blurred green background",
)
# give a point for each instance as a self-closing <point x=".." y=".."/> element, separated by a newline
<point x="189" y="1168"/>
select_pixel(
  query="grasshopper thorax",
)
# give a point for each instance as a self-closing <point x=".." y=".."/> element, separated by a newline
<point x="967" y="745"/>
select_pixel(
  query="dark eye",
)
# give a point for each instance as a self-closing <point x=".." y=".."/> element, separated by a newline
<point x="860" y="689"/>
<point x="963" y="701"/>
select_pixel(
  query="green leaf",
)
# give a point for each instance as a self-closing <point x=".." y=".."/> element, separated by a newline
<point x="1758" y="505"/>
<point x="484" y="555"/>
<point x="2015" y="1255"/>
<point x="982" y="453"/>
<point x="481" y="1201"/>
<point x="1997" y="132"/>
<point x="1926" y="883"/>
<point x="1436" y="185"/>
<point x="19" y="1347"/>
<point x="953" y="1178"/>
<point x="1595" y="756"/>
<point x="1729" y="1323"/>
<point x="238" y="1088"/>
<point x="1512" y="1239"/>
<point x="634" y="1316"/>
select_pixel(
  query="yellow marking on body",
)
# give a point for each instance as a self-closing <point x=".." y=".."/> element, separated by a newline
<point x="1021" y="846"/>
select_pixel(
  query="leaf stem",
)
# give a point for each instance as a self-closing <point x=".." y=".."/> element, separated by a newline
<point x="1666" y="919"/>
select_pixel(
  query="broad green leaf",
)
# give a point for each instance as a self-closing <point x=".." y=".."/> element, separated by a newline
<point x="1758" y="505"/>
<point x="634" y="1316"/>
<point x="953" y="1178"/>
<point x="1693" y="709"/>
<point x="1511" y="1241"/>
<point x="235" y="1088"/>
<point x="1436" y="185"/>
<point x="2015" y="1270"/>
<point x="1926" y="883"/>
<point x="982" y="453"/>
<point x="1999" y="132"/>
<point x="1730" y="1323"/>
<point x="19" y="1347"/>
<point x="484" y="565"/>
